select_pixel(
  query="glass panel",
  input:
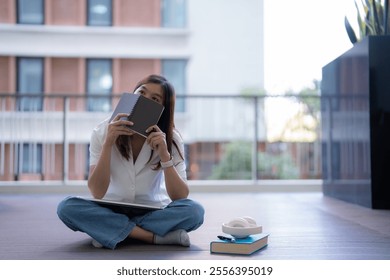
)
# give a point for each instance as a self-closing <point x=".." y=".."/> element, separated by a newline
<point x="100" y="12"/>
<point x="30" y="82"/>
<point x="175" y="72"/>
<point x="30" y="158"/>
<point x="173" y="13"/>
<point x="30" y="11"/>
<point x="216" y="147"/>
<point x="99" y="83"/>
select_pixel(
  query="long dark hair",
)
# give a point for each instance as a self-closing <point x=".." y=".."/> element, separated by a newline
<point x="166" y="122"/>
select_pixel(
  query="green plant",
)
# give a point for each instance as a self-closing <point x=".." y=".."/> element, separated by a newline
<point x="374" y="20"/>
<point x="253" y="91"/>
<point x="236" y="164"/>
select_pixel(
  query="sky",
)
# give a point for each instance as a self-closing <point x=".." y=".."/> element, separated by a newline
<point x="300" y="37"/>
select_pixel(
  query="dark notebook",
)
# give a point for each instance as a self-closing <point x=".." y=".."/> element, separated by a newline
<point x="143" y="112"/>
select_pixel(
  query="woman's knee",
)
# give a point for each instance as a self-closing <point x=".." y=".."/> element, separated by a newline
<point x="198" y="211"/>
<point x="194" y="211"/>
<point x="66" y="207"/>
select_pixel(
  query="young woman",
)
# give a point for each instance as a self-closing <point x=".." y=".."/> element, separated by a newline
<point x="151" y="171"/>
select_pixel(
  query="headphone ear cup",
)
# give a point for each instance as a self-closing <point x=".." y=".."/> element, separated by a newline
<point x="250" y="221"/>
<point x="238" y="222"/>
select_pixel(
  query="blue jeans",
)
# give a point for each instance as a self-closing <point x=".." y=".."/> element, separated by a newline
<point x="109" y="227"/>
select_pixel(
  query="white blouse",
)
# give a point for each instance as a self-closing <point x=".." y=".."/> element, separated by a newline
<point x="136" y="182"/>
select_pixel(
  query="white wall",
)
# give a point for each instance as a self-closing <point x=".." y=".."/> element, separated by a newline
<point x="226" y="41"/>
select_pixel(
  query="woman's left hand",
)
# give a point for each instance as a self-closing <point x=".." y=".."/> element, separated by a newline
<point x="157" y="141"/>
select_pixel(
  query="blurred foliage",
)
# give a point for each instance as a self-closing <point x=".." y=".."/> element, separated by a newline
<point x="309" y="96"/>
<point x="236" y="164"/>
<point x="253" y="91"/>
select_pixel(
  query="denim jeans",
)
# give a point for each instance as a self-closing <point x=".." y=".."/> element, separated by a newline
<point x="110" y="228"/>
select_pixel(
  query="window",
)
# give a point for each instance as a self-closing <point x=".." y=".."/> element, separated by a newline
<point x="99" y="84"/>
<point x="30" y="158"/>
<point x="30" y="11"/>
<point x="99" y="12"/>
<point x="175" y="71"/>
<point x="173" y="13"/>
<point x="30" y="84"/>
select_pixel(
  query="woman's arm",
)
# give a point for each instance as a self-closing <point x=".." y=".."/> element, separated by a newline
<point x="177" y="188"/>
<point x="99" y="174"/>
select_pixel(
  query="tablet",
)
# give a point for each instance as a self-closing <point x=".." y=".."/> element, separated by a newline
<point x="125" y="207"/>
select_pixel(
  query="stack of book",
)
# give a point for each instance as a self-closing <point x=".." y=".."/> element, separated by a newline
<point x="239" y="246"/>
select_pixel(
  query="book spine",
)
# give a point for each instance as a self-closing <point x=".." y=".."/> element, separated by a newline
<point x="132" y="109"/>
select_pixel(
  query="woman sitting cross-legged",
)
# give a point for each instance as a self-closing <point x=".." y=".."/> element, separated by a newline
<point x="143" y="170"/>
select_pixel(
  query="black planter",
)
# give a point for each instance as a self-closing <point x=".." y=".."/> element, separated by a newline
<point x="355" y="109"/>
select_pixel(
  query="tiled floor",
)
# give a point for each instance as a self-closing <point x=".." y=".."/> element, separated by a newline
<point x="302" y="226"/>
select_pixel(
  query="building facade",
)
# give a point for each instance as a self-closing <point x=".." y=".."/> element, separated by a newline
<point x="72" y="56"/>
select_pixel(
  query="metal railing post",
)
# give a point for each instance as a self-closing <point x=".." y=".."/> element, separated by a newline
<point x="255" y="139"/>
<point x="65" y="141"/>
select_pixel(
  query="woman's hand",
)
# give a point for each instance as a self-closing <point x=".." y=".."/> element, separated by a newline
<point x="177" y="188"/>
<point x="157" y="141"/>
<point x="118" y="127"/>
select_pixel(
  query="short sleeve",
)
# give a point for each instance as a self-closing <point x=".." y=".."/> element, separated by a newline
<point x="178" y="155"/>
<point x="96" y="144"/>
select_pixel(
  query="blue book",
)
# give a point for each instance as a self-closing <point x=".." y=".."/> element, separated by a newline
<point x="240" y="246"/>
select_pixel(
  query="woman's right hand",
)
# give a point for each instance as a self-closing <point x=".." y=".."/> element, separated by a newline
<point x="118" y="127"/>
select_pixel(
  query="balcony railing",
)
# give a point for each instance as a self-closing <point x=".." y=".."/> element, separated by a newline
<point x="226" y="137"/>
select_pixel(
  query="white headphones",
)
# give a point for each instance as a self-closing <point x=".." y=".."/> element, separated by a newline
<point x="242" y="222"/>
<point x="241" y="227"/>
